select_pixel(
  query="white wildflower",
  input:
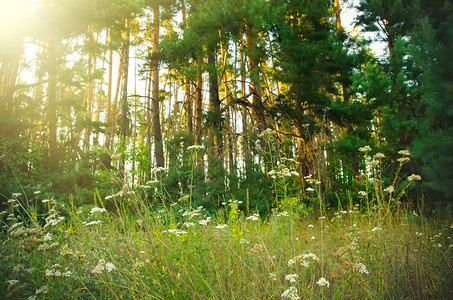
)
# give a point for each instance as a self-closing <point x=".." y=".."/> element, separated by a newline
<point x="376" y="229"/>
<point x="291" y="293"/>
<point x="389" y="189"/>
<point x="291" y="262"/>
<point x="310" y="189"/>
<point x="361" y="268"/>
<point x="110" y="267"/>
<point x="379" y="155"/>
<point x="365" y="149"/>
<point x="323" y="282"/>
<point x="93" y="223"/>
<point x="195" y="147"/>
<point x="414" y="177"/>
<point x="42" y="290"/>
<point x="12" y="282"/>
<point x="403" y="160"/>
<point x="252" y="218"/>
<point x="291" y="277"/>
<point x="404" y="152"/>
<point x="310" y="226"/>
<point x="373" y="163"/>
<point x="221" y="226"/>
<point x="97" y="209"/>
<point x="273" y="276"/>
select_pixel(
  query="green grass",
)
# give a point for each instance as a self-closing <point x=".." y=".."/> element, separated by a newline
<point x="401" y="255"/>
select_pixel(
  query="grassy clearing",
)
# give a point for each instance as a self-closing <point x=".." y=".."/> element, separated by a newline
<point x="182" y="253"/>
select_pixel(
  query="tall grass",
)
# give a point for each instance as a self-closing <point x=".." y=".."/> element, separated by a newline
<point x="178" y="252"/>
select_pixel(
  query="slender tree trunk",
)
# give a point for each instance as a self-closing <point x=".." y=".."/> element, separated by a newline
<point x="257" y="104"/>
<point x="52" y="103"/>
<point x="245" y="135"/>
<point x="124" y="105"/>
<point x="199" y="102"/>
<point x="9" y="71"/>
<point x="109" y="95"/>
<point x="353" y="155"/>
<point x="157" y="132"/>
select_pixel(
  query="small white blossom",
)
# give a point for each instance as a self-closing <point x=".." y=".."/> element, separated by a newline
<point x="365" y="149"/>
<point x="323" y="282"/>
<point x="361" y="268"/>
<point x="273" y="276"/>
<point x="253" y="218"/>
<point x="376" y="229"/>
<point x="221" y="226"/>
<point x="291" y="277"/>
<point x="389" y="189"/>
<point x="414" y="177"/>
<point x="404" y="152"/>
<point x="379" y="155"/>
<point x="97" y="209"/>
<point x="291" y="293"/>
<point x="195" y="147"/>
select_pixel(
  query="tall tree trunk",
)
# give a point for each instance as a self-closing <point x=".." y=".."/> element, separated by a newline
<point x="215" y="165"/>
<point x="89" y="91"/>
<point x="109" y="95"/>
<point x="9" y="71"/>
<point x="199" y="102"/>
<point x="124" y="105"/>
<point x="346" y="98"/>
<point x="157" y="132"/>
<point x="245" y="135"/>
<point x="52" y="103"/>
<point x="257" y="104"/>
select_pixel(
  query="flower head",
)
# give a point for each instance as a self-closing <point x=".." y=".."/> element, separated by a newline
<point x="365" y="149"/>
<point x="362" y="193"/>
<point x="379" y="155"/>
<point x="389" y="189"/>
<point x="323" y="282"/>
<point x="291" y="277"/>
<point x="414" y="177"/>
<point x="291" y="293"/>
<point x="404" y="152"/>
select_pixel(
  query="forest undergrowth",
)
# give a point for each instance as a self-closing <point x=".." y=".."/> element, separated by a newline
<point x="376" y="248"/>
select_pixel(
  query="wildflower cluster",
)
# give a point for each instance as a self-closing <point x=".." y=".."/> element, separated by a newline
<point x="103" y="266"/>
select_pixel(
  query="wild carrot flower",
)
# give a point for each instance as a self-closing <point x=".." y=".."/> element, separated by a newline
<point x="414" y="177"/>
<point x="389" y="189"/>
<point x="253" y="218"/>
<point x="404" y="152"/>
<point x="221" y="226"/>
<point x="361" y="268"/>
<point x="376" y="229"/>
<point x="273" y="276"/>
<point x="195" y="147"/>
<point x="379" y="155"/>
<point x="42" y="290"/>
<point x="97" y="209"/>
<point x="362" y="193"/>
<point x="291" y="293"/>
<point x="373" y="163"/>
<point x="402" y="160"/>
<point x="323" y="282"/>
<point x="291" y="277"/>
<point x="291" y="262"/>
<point x="365" y="149"/>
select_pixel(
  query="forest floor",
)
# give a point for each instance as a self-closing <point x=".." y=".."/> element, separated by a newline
<point x="178" y="252"/>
